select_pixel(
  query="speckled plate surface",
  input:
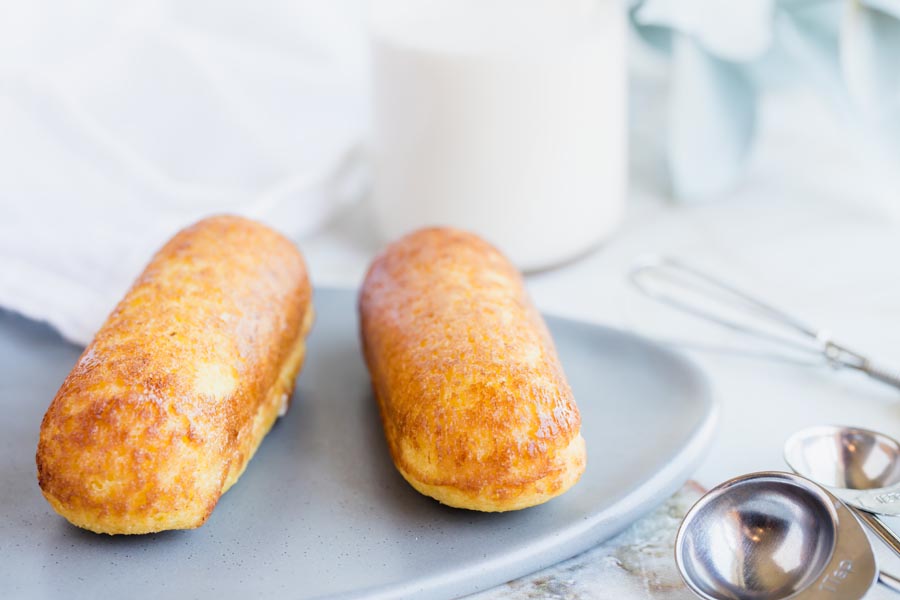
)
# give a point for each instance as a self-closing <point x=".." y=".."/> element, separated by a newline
<point x="321" y="512"/>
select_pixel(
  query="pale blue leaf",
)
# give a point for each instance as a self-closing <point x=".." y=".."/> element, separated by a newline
<point x="712" y="118"/>
<point x="656" y="36"/>
<point x="870" y="57"/>
<point x="891" y="7"/>
<point x="807" y="35"/>
<point x="738" y="31"/>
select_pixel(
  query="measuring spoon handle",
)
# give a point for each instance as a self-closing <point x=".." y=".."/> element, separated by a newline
<point x="889" y="581"/>
<point x="886" y="534"/>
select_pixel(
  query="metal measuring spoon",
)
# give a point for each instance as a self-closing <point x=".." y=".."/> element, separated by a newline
<point x="859" y="466"/>
<point x="773" y="535"/>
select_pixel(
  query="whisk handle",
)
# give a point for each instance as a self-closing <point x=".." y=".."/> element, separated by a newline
<point x="881" y="374"/>
<point x="841" y="356"/>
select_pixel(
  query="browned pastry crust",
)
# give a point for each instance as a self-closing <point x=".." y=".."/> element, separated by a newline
<point x="169" y="402"/>
<point x="475" y="406"/>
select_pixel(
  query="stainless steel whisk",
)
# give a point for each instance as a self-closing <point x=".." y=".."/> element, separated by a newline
<point x="792" y="332"/>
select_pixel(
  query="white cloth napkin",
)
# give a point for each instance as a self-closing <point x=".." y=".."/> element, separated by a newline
<point x="122" y="122"/>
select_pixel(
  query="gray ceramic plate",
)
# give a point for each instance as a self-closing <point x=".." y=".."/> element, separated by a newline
<point x="321" y="511"/>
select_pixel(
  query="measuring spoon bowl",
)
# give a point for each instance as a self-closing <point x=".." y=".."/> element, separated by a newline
<point x="859" y="466"/>
<point x="773" y="535"/>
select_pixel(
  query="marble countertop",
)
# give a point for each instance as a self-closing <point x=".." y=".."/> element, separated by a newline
<point x="806" y="229"/>
<point x="637" y="563"/>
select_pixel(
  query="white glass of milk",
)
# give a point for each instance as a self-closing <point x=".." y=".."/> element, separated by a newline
<point x="503" y="117"/>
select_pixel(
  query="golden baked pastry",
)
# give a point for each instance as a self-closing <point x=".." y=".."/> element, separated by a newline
<point x="475" y="406"/>
<point x="169" y="402"/>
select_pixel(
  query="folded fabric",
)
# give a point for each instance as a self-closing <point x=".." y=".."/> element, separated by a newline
<point x="123" y="122"/>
